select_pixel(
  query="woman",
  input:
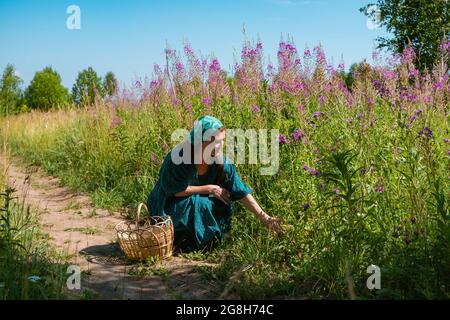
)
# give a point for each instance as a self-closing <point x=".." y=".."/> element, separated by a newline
<point x="198" y="195"/>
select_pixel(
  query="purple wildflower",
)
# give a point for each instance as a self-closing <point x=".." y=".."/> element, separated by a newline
<point x="153" y="84"/>
<point x="312" y="171"/>
<point x="406" y="238"/>
<point x="297" y="135"/>
<point x="320" y="55"/>
<point x="445" y="46"/>
<point x="413" y="73"/>
<point x="438" y="85"/>
<point x="415" y="115"/>
<point x="322" y="100"/>
<point x="116" y="121"/>
<point x="154" y="158"/>
<point x="187" y="49"/>
<point x="306" y="206"/>
<point x="426" y="132"/>
<point x="255" y="109"/>
<point x="408" y="55"/>
<point x="317" y="114"/>
<point x="282" y="139"/>
<point x="214" y="66"/>
<point x="179" y="66"/>
<point x="206" y="101"/>
<point x="307" y="53"/>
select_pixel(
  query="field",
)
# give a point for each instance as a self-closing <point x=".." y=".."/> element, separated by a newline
<point x="363" y="177"/>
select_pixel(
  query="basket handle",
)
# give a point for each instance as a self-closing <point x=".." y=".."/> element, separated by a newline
<point x="138" y="215"/>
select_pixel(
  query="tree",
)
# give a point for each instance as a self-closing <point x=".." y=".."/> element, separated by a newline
<point x="11" y="96"/>
<point x="46" y="91"/>
<point x="87" y="86"/>
<point x="110" y="84"/>
<point x="421" y="24"/>
<point x="359" y="68"/>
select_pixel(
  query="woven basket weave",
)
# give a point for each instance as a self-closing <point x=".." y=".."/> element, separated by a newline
<point x="155" y="238"/>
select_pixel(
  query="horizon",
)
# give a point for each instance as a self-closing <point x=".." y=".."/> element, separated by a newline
<point x="130" y="39"/>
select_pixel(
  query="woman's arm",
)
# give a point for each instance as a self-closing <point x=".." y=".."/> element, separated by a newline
<point x="219" y="192"/>
<point x="274" y="224"/>
<point x="250" y="203"/>
<point x="206" y="189"/>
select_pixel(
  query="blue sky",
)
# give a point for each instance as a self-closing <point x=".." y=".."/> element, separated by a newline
<point x="129" y="37"/>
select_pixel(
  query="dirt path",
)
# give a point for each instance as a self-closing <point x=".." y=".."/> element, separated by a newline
<point x="86" y="236"/>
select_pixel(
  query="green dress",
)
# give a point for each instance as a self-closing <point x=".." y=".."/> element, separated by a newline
<point x="199" y="218"/>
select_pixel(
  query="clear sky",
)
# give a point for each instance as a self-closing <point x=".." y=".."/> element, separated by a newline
<point x="129" y="37"/>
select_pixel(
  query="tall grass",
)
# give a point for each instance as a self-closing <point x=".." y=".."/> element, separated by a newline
<point x="363" y="169"/>
<point x="27" y="269"/>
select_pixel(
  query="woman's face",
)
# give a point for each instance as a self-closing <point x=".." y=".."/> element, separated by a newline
<point x="215" y="145"/>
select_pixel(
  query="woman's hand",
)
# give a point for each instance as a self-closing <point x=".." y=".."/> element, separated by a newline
<point x="208" y="189"/>
<point x="277" y="225"/>
<point x="220" y="193"/>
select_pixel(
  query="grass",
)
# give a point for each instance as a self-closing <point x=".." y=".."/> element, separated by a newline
<point x="85" y="230"/>
<point x="87" y="295"/>
<point x="92" y="213"/>
<point x="28" y="270"/>
<point x="380" y="196"/>
<point x="73" y="205"/>
<point x="142" y="270"/>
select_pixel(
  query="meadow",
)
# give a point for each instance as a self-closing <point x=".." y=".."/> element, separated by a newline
<point x="364" y="164"/>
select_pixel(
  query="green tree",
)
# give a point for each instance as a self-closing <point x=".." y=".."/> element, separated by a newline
<point x="110" y="84"/>
<point x="87" y="86"/>
<point x="11" y="95"/>
<point x="355" y="68"/>
<point x="46" y="91"/>
<point x="422" y="24"/>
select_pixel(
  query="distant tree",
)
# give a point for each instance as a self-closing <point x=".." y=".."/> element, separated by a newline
<point x="110" y="84"/>
<point x="423" y="24"/>
<point x="87" y="86"/>
<point x="11" y="95"/>
<point x="349" y="77"/>
<point x="46" y="91"/>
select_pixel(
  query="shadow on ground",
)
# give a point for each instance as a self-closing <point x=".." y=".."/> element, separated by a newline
<point x="111" y="275"/>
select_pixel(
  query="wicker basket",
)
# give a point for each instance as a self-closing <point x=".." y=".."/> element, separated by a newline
<point x="155" y="238"/>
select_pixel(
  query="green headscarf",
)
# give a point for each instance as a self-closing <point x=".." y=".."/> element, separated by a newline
<point x="202" y="125"/>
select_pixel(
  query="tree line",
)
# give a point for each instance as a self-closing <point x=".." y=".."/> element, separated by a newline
<point x="46" y="91"/>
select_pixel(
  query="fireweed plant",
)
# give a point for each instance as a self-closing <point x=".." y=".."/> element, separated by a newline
<point x="363" y="174"/>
